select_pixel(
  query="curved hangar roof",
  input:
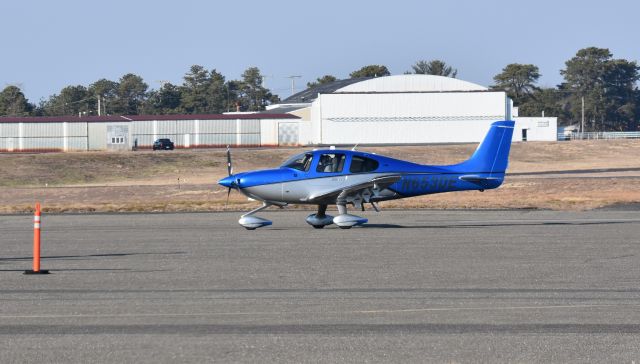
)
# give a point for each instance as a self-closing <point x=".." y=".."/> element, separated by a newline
<point x="398" y="83"/>
<point x="411" y="83"/>
<point x="311" y="94"/>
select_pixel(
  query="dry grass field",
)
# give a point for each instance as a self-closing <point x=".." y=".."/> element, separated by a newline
<point x="574" y="175"/>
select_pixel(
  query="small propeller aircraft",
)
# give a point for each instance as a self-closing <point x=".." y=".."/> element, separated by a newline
<point x="348" y="177"/>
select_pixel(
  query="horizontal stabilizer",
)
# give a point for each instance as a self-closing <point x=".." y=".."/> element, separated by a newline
<point x="481" y="181"/>
<point x="474" y="178"/>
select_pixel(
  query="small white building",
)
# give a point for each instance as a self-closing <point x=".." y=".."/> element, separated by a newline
<point x="535" y="128"/>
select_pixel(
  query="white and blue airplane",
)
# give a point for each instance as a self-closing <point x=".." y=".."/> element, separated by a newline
<point x="348" y="177"/>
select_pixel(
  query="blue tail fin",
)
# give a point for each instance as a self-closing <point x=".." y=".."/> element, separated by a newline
<point x="492" y="155"/>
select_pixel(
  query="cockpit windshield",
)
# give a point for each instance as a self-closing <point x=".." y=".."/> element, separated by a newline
<point x="301" y="162"/>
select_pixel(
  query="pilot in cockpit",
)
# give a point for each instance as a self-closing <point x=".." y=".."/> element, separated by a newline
<point x="326" y="163"/>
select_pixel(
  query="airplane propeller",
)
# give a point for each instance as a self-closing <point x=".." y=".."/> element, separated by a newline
<point x="229" y="165"/>
<point x="229" y="171"/>
<point x="228" y="194"/>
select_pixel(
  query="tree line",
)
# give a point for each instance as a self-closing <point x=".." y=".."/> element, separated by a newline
<point x="607" y="87"/>
<point x="597" y="87"/>
<point x="202" y="92"/>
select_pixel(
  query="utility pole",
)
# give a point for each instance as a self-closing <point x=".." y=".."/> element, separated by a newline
<point x="99" y="106"/>
<point x="293" y="83"/>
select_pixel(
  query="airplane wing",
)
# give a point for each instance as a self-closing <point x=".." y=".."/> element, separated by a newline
<point x="378" y="183"/>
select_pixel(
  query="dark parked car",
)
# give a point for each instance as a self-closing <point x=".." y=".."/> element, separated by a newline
<point x="163" y="144"/>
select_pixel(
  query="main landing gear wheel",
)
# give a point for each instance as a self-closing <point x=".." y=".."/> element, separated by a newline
<point x="320" y="219"/>
<point x="345" y="220"/>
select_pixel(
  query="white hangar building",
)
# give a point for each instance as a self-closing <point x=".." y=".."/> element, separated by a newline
<point x="406" y="109"/>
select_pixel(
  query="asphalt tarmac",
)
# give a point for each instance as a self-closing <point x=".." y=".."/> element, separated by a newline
<point x="412" y="286"/>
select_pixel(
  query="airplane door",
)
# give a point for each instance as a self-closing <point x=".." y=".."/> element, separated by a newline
<point x="330" y="169"/>
<point x="296" y="188"/>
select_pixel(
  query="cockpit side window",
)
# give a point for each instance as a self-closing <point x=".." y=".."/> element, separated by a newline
<point x="301" y="162"/>
<point x="331" y="163"/>
<point x="363" y="164"/>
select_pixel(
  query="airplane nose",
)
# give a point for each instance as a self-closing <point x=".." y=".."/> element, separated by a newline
<point x="227" y="182"/>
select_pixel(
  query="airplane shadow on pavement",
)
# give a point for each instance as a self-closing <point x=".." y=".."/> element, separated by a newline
<point x="497" y="224"/>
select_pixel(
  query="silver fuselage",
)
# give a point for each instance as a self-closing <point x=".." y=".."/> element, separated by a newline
<point x="301" y="191"/>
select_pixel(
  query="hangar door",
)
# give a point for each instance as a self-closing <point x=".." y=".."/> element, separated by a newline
<point x="288" y="134"/>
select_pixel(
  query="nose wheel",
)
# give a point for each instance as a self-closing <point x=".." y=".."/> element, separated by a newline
<point x="251" y="222"/>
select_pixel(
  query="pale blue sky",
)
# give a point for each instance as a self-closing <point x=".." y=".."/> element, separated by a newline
<point x="47" y="45"/>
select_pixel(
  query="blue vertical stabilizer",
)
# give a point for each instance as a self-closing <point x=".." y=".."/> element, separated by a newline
<point x="492" y="155"/>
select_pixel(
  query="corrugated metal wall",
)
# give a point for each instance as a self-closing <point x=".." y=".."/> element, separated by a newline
<point x="402" y="118"/>
<point x="78" y="136"/>
<point x="62" y="136"/>
<point x="198" y="133"/>
<point x="97" y="136"/>
<point x="9" y="137"/>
